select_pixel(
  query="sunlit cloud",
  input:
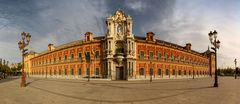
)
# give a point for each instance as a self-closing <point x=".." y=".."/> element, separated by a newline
<point x="177" y="21"/>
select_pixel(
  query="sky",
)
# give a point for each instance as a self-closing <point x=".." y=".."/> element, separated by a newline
<point x="176" y="21"/>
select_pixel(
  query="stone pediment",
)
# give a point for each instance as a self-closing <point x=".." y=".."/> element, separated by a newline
<point x="119" y="16"/>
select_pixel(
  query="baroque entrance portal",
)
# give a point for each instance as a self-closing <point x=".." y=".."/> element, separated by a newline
<point x="119" y="46"/>
<point x="119" y="73"/>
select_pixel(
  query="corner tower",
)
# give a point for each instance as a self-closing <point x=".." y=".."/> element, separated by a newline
<point x="119" y="47"/>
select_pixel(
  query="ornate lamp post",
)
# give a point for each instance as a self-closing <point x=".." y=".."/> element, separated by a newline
<point x="216" y="44"/>
<point x="235" y="61"/>
<point x="22" y="44"/>
<point x="151" y="71"/>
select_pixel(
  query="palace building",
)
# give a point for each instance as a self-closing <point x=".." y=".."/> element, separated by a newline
<point x="120" y="55"/>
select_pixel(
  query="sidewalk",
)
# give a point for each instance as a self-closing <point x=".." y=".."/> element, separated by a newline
<point x="64" y="91"/>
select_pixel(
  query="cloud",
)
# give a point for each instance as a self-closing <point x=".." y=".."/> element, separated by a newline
<point x="176" y="21"/>
<point x="192" y="21"/>
<point x="55" y="22"/>
<point x="136" y="5"/>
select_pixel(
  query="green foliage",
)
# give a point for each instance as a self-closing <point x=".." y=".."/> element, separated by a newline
<point x="6" y="69"/>
<point x="227" y="71"/>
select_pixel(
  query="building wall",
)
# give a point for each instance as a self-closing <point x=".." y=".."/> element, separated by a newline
<point x="121" y="56"/>
<point x="54" y="64"/>
<point x="178" y="60"/>
<point x="28" y="63"/>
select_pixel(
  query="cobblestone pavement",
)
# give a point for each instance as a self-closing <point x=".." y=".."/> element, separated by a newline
<point x="177" y="91"/>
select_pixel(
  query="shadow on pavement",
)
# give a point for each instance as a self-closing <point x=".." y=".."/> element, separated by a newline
<point x="184" y="90"/>
<point x="28" y="83"/>
<point x="94" y="82"/>
<point x="9" y="79"/>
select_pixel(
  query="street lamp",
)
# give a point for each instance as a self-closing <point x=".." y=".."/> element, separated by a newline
<point x="151" y="72"/>
<point x="235" y="61"/>
<point x="22" y="44"/>
<point x="216" y="44"/>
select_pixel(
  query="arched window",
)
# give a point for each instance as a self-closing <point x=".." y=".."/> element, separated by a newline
<point x="141" y="71"/>
<point x="79" y="71"/>
<point x="185" y="72"/>
<point x="167" y="72"/>
<point x="173" y="72"/>
<point x="51" y="72"/>
<point x="179" y="72"/>
<point x="59" y="72"/>
<point x="159" y="71"/>
<point x="72" y="71"/>
<point x="65" y="71"/>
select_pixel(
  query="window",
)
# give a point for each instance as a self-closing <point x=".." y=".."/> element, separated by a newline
<point x="166" y="57"/>
<point x="72" y="71"/>
<point x="50" y="61"/>
<point x="87" y="56"/>
<point x="119" y="50"/>
<point x="151" y="55"/>
<point x="65" y="57"/>
<point x="141" y="71"/>
<point x="59" y="59"/>
<point x="97" y="71"/>
<point x="88" y="38"/>
<point x="142" y="55"/>
<point x="97" y="55"/>
<point x="173" y="72"/>
<point x="110" y="45"/>
<point x="151" y="38"/>
<point x="151" y="71"/>
<point x="72" y="56"/>
<point x="65" y="71"/>
<point x="51" y="72"/>
<point x="189" y="72"/>
<point x="80" y="56"/>
<point x="159" y="72"/>
<point x="119" y="28"/>
<point x="55" y="72"/>
<point x="185" y="72"/>
<point x="179" y="72"/>
<point x="132" y="45"/>
<point x="79" y="71"/>
<point x="54" y="60"/>
<point x="59" y="72"/>
<point x="173" y="58"/>
<point x="167" y="71"/>
<point x="159" y="56"/>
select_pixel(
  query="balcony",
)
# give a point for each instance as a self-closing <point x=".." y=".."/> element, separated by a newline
<point x="119" y="57"/>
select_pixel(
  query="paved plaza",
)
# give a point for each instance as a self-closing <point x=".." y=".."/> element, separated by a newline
<point x="173" y="91"/>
